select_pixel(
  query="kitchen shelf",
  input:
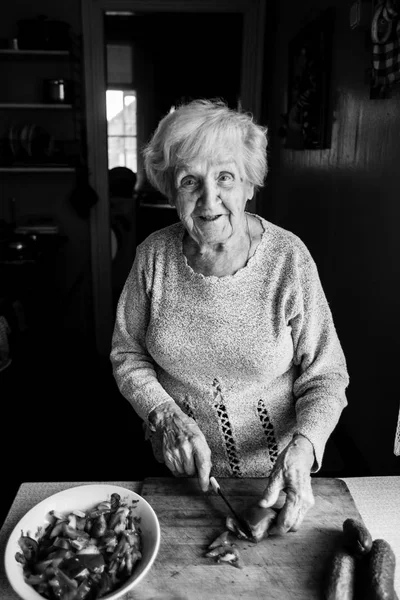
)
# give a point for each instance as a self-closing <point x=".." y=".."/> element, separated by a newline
<point x="61" y="169"/>
<point x="10" y="52"/>
<point x="35" y="105"/>
<point x="18" y="162"/>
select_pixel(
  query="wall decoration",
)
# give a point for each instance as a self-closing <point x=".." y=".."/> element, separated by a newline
<point x="385" y="37"/>
<point x="306" y="123"/>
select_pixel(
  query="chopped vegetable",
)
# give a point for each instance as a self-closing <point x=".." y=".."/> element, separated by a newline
<point x="222" y="540"/>
<point x="234" y="527"/>
<point x="83" y="556"/>
<point x="99" y="526"/>
<point x="259" y="520"/>
<point x="226" y="553"/>
<point x="29" y="547"/>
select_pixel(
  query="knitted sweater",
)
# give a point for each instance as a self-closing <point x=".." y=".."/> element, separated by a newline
<point x="253" y="357"/>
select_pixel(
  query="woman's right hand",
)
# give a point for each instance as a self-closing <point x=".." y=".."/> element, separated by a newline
<point x="185" y="448"/>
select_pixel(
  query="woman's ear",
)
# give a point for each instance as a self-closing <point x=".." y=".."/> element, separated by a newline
<point x="250" y="191"/>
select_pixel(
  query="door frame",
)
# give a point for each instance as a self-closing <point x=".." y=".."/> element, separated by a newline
<point x="93" y="11"/>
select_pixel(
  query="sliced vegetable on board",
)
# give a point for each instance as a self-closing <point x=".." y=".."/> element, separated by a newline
<point x="259" y="520"/>
<point x="227" y="553"/>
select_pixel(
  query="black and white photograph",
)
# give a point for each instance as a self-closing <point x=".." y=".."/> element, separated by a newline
<point x="199" y="290"/>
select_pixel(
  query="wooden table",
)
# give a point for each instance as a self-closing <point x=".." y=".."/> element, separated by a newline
<point x="288" y="567"/>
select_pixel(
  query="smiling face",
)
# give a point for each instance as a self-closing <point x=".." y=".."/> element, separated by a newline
<point x="210" y="198"/>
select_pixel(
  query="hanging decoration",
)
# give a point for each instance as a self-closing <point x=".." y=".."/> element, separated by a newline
<point x="385" y="36"/>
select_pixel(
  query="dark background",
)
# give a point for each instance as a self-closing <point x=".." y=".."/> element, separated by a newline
<point x="62" y="416"/>
<point x="185" y="55"/>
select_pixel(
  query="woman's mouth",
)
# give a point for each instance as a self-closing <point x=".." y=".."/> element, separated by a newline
<point x="210" y="218"/>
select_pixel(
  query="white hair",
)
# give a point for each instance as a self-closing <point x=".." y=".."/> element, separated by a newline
<point x="196" y="131"/>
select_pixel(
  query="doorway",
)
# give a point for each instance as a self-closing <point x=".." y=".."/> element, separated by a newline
<point x="154" y="62"/>
<point x="184" y="49"/>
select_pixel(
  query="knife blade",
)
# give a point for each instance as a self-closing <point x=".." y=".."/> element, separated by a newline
<point x="243" y="525"/>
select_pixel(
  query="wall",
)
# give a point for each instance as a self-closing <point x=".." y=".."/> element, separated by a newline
<point x="343" y="203"/>
<point x="49" y="195"/>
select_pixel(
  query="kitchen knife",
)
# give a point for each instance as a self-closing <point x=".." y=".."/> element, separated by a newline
<point x="243" y="525"/>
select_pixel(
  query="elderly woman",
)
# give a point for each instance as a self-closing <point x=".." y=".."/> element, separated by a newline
<point x="224" y="342"/>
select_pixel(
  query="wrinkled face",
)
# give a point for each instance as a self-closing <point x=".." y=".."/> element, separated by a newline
<point x="211" y="197"/>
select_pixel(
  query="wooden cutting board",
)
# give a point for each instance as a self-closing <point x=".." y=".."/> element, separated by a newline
<point x="288" y="567"/>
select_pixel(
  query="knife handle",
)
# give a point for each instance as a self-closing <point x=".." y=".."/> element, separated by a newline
<point x="215" y="485"/>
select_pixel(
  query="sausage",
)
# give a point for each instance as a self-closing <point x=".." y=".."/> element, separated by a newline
<point x="379" y="572"/>
<point x="357" y="538"/>
<point x="340" y="577"/>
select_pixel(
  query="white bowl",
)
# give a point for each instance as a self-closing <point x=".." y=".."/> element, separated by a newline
<point x="83" y="498"/>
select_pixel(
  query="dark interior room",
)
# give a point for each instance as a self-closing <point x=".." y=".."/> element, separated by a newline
<point x="333" y="182"/>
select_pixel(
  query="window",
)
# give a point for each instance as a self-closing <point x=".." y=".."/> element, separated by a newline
<point x="121" y="129"/>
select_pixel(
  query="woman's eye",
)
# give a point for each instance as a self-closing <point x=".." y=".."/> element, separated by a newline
<point x="188" y="182"/>
<point x="225" y="177"/>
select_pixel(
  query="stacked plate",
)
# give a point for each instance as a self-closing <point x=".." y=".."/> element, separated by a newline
<point x="30" y="141"/>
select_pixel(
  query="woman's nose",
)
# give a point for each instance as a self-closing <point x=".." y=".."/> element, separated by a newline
<point x="209" y="195"/>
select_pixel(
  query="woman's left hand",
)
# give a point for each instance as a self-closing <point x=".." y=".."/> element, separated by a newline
<point x="291" y="473"/>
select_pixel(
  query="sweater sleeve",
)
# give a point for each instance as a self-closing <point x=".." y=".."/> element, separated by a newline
<point x="133" y="367"/>
<point x="319" y="389"/>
